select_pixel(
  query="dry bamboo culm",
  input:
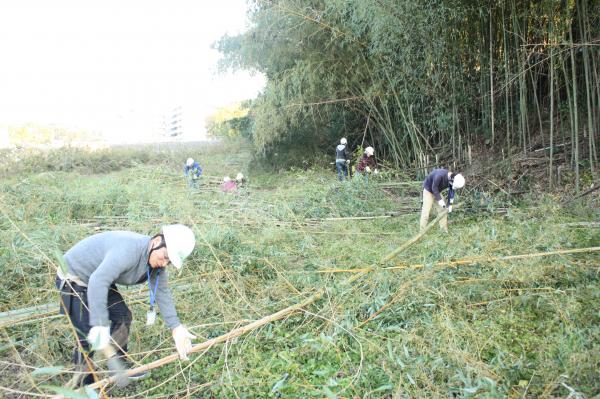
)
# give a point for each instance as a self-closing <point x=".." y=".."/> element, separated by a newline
<point x="467" y="261"/>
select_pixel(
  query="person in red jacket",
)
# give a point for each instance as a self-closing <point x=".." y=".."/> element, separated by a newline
<point x="228" y="185"/>
<point x="367" y="163"/>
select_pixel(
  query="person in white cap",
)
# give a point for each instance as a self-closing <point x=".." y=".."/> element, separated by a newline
<point x="342" y="159"/>
<point x="192" y="171"/>
<point x="367" y="163"/>
<point x="91" y="299"/>
<point x="239" y="179"/>
<point x="436" y="182"/>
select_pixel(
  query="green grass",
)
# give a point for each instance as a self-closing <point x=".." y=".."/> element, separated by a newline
<point x="488" y="329"/>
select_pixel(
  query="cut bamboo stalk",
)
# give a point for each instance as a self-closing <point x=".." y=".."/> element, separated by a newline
<point x="403" y="183"/>
<point x="352" y="218"/>
<point x="467" y="261"/>
<point x="217" y="340"/>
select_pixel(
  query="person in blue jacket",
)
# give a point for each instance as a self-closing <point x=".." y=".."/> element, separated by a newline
<point x="436" y="182"/>
<point x="192" y="171"/>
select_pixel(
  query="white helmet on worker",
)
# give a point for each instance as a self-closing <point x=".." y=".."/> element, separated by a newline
<point x="458" y="181"/>
<point x="226" y="179"/>
<point x="239" y="177"/>
<point x="343" y="141"/>
<point x="180" y="242"/>
<point x="369" y="151"/>
<point x="189" y="162"/>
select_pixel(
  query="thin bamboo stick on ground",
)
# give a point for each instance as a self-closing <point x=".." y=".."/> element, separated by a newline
<point x="467" y="261"/>
<point x="350" y="218"/>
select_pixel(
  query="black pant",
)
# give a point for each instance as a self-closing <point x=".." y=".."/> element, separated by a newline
<point x="74" y="304"/>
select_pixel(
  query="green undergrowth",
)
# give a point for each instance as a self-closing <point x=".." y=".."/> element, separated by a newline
<point x="525" y="327"/>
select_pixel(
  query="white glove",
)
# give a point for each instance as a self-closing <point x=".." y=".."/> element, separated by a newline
<point x="99" y="337"/>
<point x="449" y="208"/>
<point x="368" y="170"/>
<point x="376" y="171"/>
<point x="347" y="161"/>
<point x="183" y="341"/>
<point x="442" y="203"/>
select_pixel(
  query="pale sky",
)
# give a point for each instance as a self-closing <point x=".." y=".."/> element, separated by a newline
<point x="117" y="66"/>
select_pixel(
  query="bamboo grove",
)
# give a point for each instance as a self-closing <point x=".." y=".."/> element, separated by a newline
<point x="421" y="78"/>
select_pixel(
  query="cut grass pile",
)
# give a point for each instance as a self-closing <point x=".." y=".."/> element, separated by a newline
<point x="524" y="327"/>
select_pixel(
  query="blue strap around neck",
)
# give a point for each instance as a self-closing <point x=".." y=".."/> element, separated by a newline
<point x="152" y="292"/>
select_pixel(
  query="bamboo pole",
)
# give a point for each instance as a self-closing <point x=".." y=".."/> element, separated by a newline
<point x="575" y="112"/>
<point x="582" y="13"/>
<point x="351" y="218"/>
<point x="217" y="340"/>
<point x="467" y="261"/>
<point x="491" y="80"/>
<point x="550" y="167"/>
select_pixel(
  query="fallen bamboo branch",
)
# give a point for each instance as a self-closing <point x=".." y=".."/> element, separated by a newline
<point x="217" y="340"/>
<point x="399" y="293"/>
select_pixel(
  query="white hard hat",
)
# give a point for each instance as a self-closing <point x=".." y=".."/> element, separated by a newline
<point x="189" y="162"/>
<point x="226" y="179"/>
<point x="343" y="141"/>
<point x="239" y="177"/>
<point x="180" y="242"/>
<point x="458" y="182"/>
<point x="369" y="151"/>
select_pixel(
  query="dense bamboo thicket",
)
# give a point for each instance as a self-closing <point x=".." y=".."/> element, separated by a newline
<point x="419" y="79"/>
